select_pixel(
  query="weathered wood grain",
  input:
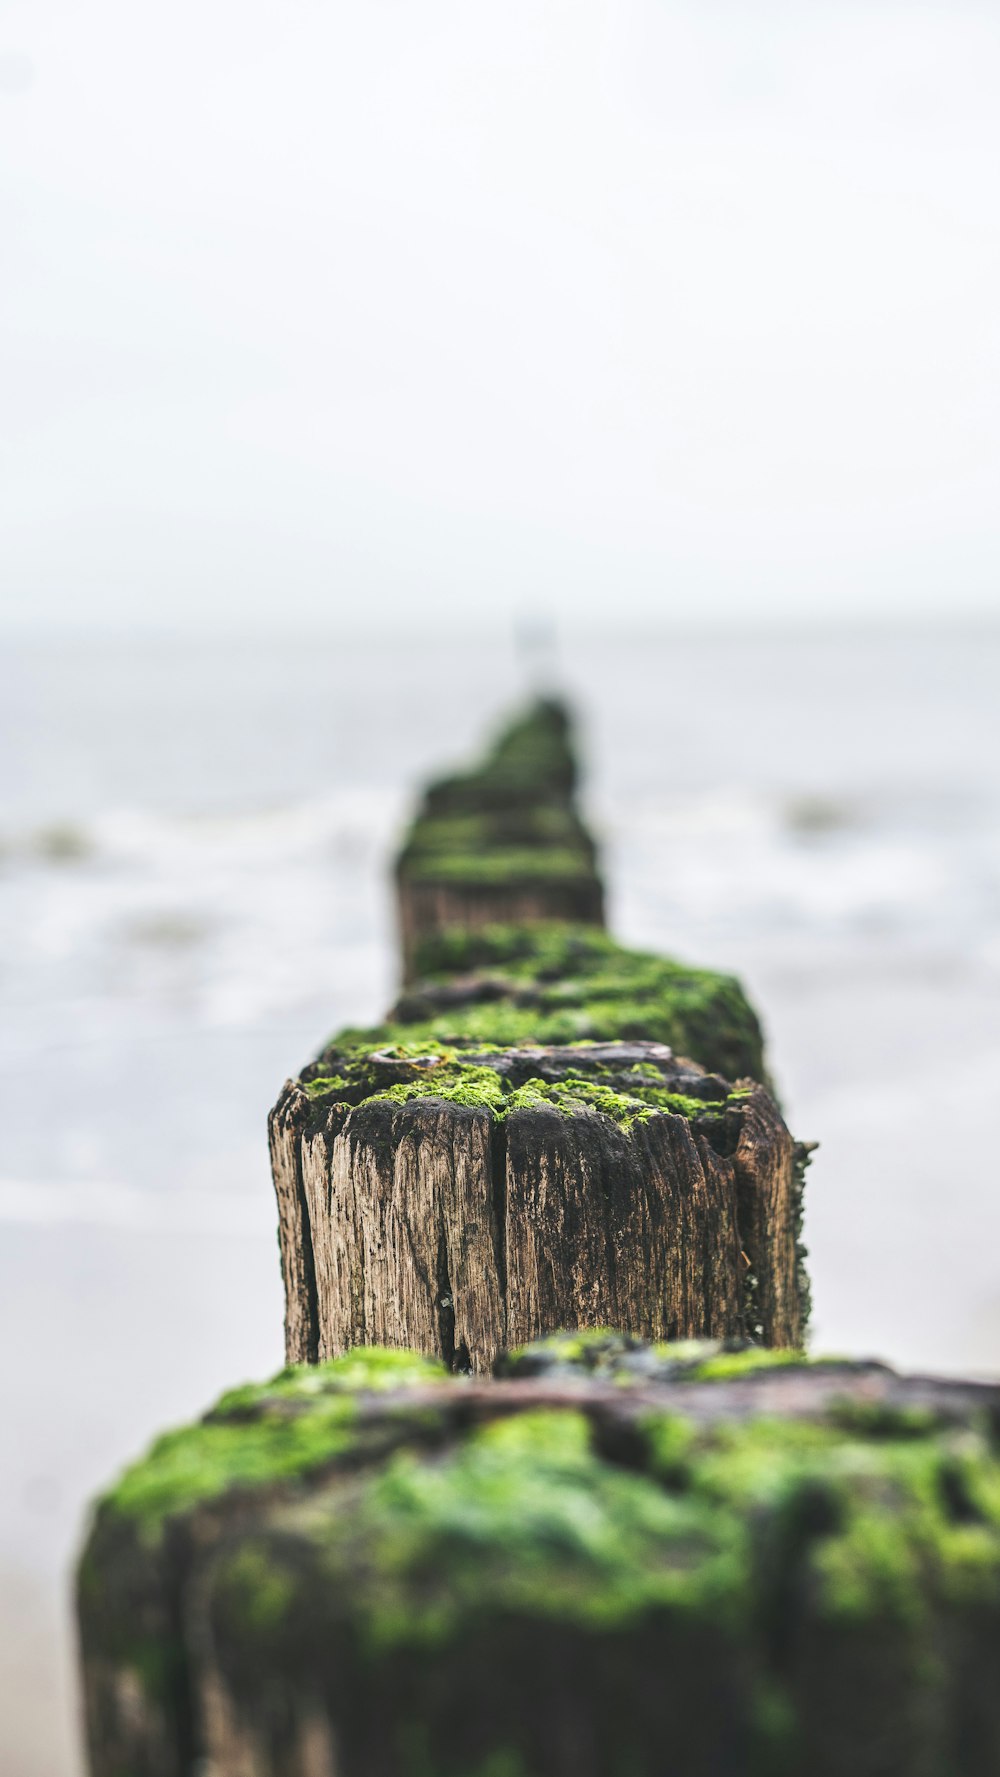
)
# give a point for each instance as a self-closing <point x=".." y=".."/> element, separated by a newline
<point x="460" y="1205"/>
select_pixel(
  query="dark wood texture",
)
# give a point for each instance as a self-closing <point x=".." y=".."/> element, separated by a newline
<point x="459" y="1228"/>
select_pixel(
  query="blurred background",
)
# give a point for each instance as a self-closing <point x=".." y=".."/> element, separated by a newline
<point x="342" y="346"/>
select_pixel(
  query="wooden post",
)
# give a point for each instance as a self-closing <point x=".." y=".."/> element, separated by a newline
<point x="458" y="1204"/>
<point x="694" y="1563"/>
<point x="503" y="843"/>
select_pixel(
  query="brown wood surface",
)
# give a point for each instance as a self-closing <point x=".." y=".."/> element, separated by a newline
<point x="449" y="1230"/>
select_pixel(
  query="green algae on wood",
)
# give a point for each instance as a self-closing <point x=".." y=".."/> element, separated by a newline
<point x="531" y="762"/>
<point x="459" y="1201"/>
<point x="502" y="865"/>
<point x="554" y="983"/>
<point x="502" y="841"/>
<point x="532" y="823"/>
<point x="630" y="1560"/>
<point x="263" y="1432"/>
<point x="154" y="1525"/>
<point x="622" y="1357"/>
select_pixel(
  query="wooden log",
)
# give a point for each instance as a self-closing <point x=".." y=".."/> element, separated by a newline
<point x="704" y="1563"/>
<point x="460" y="1203"/>
<point x="503" y="842"/>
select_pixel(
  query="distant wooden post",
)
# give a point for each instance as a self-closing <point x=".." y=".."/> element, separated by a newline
<point x="502" y="843"/>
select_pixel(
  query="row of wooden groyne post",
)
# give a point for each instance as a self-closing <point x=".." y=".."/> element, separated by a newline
<point x="548" y="1487"/>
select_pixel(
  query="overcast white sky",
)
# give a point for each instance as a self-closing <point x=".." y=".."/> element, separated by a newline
<point x="345" y="309"/>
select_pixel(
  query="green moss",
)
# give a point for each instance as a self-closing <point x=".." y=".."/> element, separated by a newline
<point x="301" y="1420"/>
<point x="479" y="1087"/>
<point x="262" y="1593"/>
<point x="541" y="824"/>
<point x="551" y="950"/>
<point x="884" y="1539"/>
<point x="624" y="1359"/>
<point x="531" y="761"/>
<point x="368" y="1369"/>
<point x="502" y="864"/>
<point x="586" y="1348"/>
<point x="326" y="1085"/>
<point x="726" y="1366"/>
<point x="524" y="1517"/>
<point x="484" y="1088"/>
<point x="521" y="1517"/>
<point x="505" y="1762"/>
<point x="184" y="1467"/>
<point x="510" y="823"/>
<point x="609" y="1541"/>
<point x="562" y="983"/>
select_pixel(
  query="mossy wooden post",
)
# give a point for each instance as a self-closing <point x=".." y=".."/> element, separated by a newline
<point x="503" y="843"/>
<point x="460" y="1203"/>
<point x="618" y="1558"/>
<point x="559" y="983"/>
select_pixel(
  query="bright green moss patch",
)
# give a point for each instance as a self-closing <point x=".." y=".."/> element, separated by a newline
<point x="480" y="1086"/>
<point x="597" y="1533"/>
<point x="561" y="985"/>
<point x="502" y="864"/>
<point x="521" y="1517"/>
<point x="537" y="824"/>
<point x="366" y="1369"/>
<point x="576" y="1076"/>
<point x="725" y="1366"/>
<point x="587" y="1348"/>
<point x="524" y="1518"/>
<point x="326" y="1085"/>
<point x="622" y="1358"/>
<point x="878" y="1525"/>
<point x="541" y="847"/>
<point x="194" y="1464"/>
<point x="525" y="1513"/>
<point x="531" y="761"/>
<point x="262" y="1433"/>
<point x="552" y="950"/>
<point x="564" y="983"/>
